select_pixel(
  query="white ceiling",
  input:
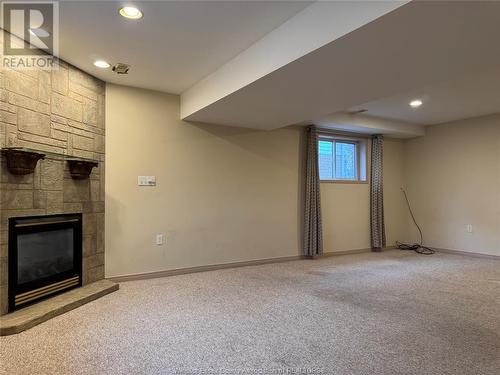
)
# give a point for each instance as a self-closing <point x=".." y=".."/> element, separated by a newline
<point x="176" y="44"/>
<point x="447" y="53"/>
<point x="459" y="98"/>
<point x="417" y="45"/>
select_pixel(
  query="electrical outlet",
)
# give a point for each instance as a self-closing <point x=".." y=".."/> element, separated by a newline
<point x="469" y="228"/>
<point x="159" y="239"/>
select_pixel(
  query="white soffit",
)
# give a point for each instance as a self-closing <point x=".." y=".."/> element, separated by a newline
<point x="415" y="45"/>
<point x="312" y="28"/>
<point x="365" y="124"/>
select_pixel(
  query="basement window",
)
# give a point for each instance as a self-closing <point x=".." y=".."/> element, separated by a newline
<point x="342" y="159"/>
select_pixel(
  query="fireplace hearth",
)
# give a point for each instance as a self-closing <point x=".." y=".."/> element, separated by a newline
<point x="45" y="257"/>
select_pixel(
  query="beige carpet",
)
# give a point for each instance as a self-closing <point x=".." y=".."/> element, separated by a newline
<point x="390" y="313"/>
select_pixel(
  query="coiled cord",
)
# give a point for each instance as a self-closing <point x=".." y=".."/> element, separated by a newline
<point x="417" y="247"/>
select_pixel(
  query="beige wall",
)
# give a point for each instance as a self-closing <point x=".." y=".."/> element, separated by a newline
<point x="453" y="179"/>
<point x="223" y="194"/>
<point x="346" y="207"/>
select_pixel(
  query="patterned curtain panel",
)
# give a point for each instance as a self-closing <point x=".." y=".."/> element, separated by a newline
<point x="377" y="225"/>
<point x="313" y="232"/>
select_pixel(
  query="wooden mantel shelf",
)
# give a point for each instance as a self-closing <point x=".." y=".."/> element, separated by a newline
<point x="80" y="169"/>
<point x="22" y="160"/>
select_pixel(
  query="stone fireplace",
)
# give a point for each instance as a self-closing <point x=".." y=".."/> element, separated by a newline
<point x="58" y="112"/>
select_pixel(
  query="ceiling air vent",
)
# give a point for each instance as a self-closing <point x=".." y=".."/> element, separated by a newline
<point x="121" y="68"/>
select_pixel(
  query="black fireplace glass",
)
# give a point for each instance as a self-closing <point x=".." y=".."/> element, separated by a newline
<point x="44" y="254"/>
<point x="45" y="257"/>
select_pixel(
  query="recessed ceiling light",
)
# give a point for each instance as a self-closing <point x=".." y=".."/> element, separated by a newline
<point x="131" y="12"/>
<point x="101" y="64"/>
<point x="415" y="103"/>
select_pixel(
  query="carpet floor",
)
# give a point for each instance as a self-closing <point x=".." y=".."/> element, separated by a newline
<point x="375" y="313"/>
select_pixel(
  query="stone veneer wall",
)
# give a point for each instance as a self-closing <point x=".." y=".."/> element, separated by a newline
<point x="60" y="111"/>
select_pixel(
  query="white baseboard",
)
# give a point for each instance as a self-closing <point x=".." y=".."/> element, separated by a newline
<point x="355" y="251"/>
<point x="210" y="267"/>
<point x="213" y="267"/>
<point x="468" y="253"/>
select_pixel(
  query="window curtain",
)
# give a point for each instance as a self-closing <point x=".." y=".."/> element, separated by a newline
<point x="313" y="232"/>
<point x="377" y="225"/>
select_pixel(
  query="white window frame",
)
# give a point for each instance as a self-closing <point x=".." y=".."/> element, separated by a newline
<point x="361" y="155"/>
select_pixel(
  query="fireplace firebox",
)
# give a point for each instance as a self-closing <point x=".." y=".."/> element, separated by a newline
<point x="45" y="257"/>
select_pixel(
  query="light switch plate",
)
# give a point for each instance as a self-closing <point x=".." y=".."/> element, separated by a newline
<point x="146" y="180"/>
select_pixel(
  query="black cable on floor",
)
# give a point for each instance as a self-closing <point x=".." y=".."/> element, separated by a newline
<point x="417" y="247"/>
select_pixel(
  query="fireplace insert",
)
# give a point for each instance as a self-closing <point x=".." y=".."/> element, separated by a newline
<point x="45" y="257"/>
